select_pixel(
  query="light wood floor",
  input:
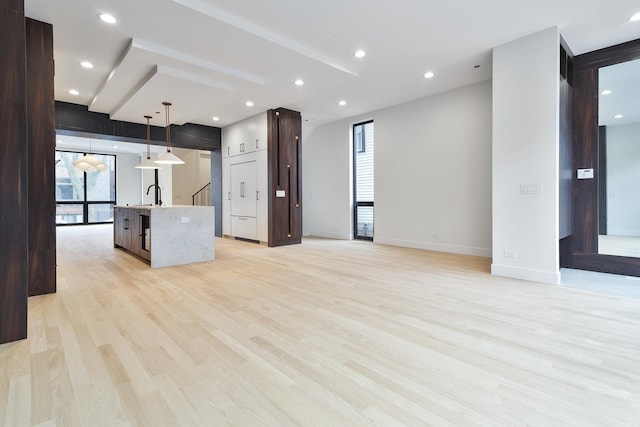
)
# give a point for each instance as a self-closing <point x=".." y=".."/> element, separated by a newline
<point x="327" y="333"/>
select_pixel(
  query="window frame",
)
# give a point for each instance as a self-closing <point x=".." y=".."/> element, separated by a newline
<point x="84" y="202"/>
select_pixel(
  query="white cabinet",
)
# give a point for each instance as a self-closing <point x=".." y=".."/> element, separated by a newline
<point x="244" y="226"/>
<point x="245" y="204"/>
<point x="245" y="136"/>
<point x="243" y="189"/>
<point x="242" y="197"/>
<point x="261" y="131"/>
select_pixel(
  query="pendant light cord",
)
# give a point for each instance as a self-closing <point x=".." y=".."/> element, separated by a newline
<point x="148" y="138"/>
<point x="168" y="129"/>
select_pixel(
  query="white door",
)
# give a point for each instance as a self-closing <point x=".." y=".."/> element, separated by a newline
<point x="243" y="189"/>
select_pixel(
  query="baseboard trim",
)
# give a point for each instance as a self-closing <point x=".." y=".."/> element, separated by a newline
<point x="439" y="247"/>
<point x="326" y="235"/>
<point x="548" y="277"/>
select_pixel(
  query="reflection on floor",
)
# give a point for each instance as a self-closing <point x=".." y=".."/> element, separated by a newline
<point x="602" y="283"/>
<point x="619" y="245"/>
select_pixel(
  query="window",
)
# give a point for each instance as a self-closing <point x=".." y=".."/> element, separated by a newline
<point x="363" y="180"/>
<point x="360" y="139"/>
<point x="84" y="197"/>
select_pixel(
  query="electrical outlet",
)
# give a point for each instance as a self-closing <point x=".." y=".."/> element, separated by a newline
<point x="185" y="219"/>
<point x="510" y="254"/>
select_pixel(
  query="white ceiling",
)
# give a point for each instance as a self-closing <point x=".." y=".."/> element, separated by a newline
<point x="208" y="57"/>
<point x="103" y="146"/>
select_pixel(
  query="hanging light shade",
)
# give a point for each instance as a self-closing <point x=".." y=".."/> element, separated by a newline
<point x="89" y="162"/>
<point x="168" y="158"/>
<point x="148" y="163"/>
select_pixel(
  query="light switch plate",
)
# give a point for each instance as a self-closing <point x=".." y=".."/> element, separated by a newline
<point x="185" y="219"/>
<point x="585" y="173"/>
<point x="530" y="188"/>
<point x="281" y="193"/>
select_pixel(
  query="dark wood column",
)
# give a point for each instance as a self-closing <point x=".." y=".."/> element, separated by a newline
<point x="285" y="177"/>
<point x="41" y="145"/>
<point x="13" y="173"/>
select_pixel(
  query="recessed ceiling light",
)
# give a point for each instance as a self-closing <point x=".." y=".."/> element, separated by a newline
<point x="635" y="18"/>
<point x="299" y="82"/>
<point x="215" y="118"/>
<point x="618" y="116"/>
<point x="86" y="64"/>
<point x="605" y="92"/>
<point x="428" y="74"/>
<point x="58" y="140"/>
<point x="342" y="103"/>
<point x="249" y="104"/>
<point x="109" y="19"/>
<point x="359" y="53"/>
<point x="114" y="146"/>
<point x="74" y="92"/>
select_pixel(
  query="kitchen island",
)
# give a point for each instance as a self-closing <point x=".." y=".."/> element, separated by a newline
<point x="166" y="235"/>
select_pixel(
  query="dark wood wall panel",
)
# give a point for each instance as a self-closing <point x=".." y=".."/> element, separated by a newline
<point x="77" y="120"/>
<point x="566" y="160"/>
<point x="285" y="174"/>
<point x="41" y="137"/>
<point x="586" y="155"/>
<point x="13" y="173"/>
<point x="602" y="180"/>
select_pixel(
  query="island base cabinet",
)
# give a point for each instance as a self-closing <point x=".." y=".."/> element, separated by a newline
<point x="122" y="228"/>
<point x="131" y="231"/>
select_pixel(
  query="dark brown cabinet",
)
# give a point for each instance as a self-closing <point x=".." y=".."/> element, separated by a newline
<point x="132" y="231"/>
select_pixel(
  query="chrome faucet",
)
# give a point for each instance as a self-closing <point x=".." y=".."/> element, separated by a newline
<point x="158" y="193"/>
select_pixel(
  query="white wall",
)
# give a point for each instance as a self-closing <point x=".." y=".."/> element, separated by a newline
<point x="623" y="180"/>
<point x="326" y="181"/>
<point x="432" y="174"/>
<point x="165" y="181"/>
<point x="190" y="177"/>
<point x="129" y="179"/>
<point x="525" y="151"/>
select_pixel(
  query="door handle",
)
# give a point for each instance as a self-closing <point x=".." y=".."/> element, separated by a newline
<point x="228" y="150"/>
<point x="257" y="195"/>
<point x="229" y="195"/>
<point x="257" y="143"/>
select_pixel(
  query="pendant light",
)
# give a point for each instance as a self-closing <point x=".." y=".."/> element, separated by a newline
<point x="89" y="162"/>
<point x="168" y="158"/>
<point x="148" y="163"/>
